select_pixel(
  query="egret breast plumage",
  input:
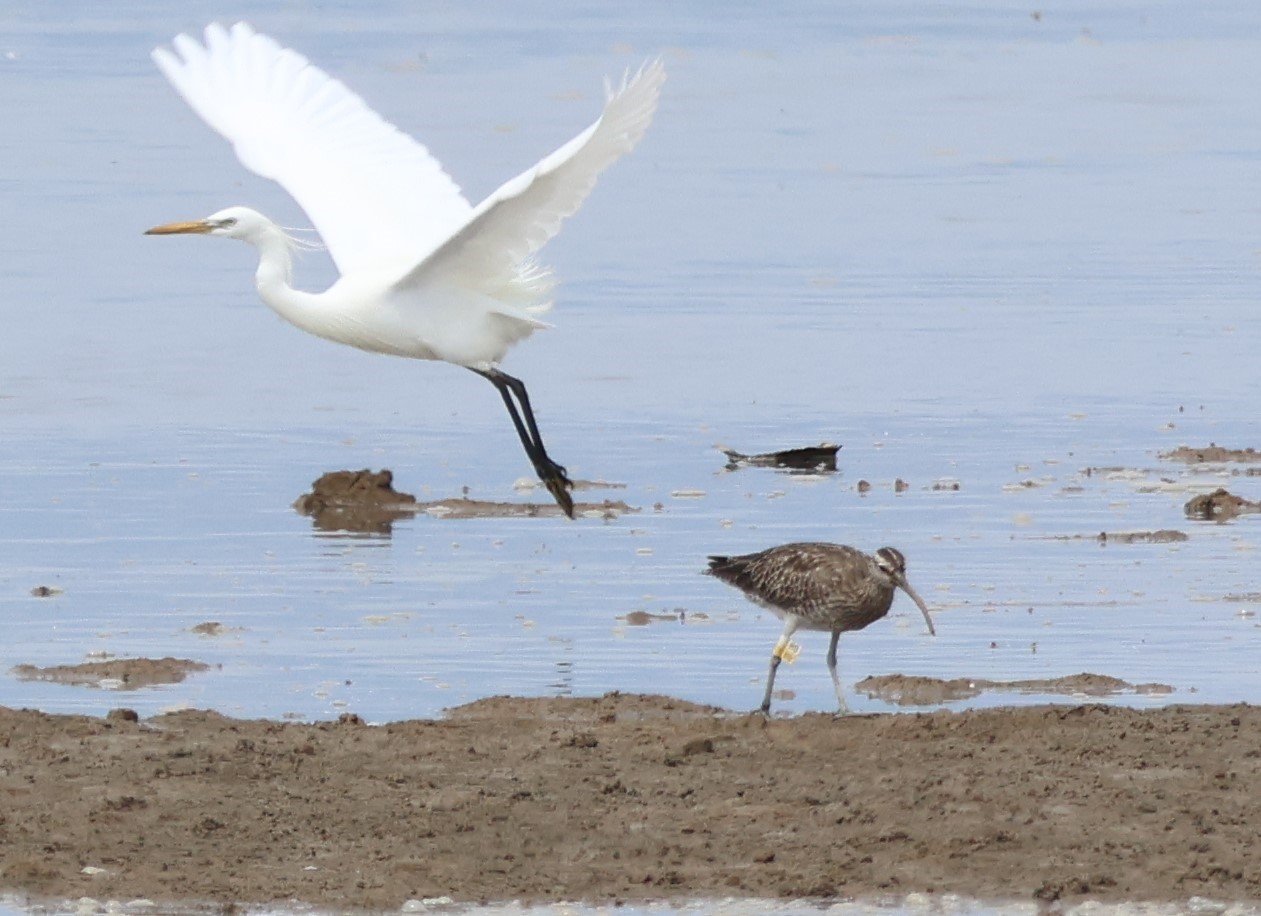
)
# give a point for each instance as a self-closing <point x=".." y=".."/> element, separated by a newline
<point x="423" y="273"/>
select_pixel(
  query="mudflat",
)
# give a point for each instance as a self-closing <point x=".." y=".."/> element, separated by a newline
<point x="628" y="797"/>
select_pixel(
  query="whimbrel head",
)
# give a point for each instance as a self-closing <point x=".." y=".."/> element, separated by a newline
<point x="892" y="565"/>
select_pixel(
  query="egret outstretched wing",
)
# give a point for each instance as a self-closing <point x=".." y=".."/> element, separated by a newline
<point x="508" y="227"/>
<point x="376" y="195"/>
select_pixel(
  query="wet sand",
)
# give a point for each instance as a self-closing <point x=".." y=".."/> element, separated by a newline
<point x="631" y="797"/>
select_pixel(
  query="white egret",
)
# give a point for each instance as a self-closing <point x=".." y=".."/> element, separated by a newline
<point x="424" y="274"/>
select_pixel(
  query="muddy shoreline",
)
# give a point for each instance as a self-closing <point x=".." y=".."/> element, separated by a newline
<point x="631" y="798"/>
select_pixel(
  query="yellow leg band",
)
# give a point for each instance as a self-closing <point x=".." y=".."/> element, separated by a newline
<point x="786" y="650"/>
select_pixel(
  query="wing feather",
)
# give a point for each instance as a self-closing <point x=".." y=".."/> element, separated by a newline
<point x="376" y="196"/>
<point x="496" y="245"/>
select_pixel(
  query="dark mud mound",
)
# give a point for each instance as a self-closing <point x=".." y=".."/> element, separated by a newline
<point x="358" y="501"/>
<point x="1219" y="506"/>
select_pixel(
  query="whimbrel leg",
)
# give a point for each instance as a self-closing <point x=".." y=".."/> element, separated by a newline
<point x="790" y="627"/>
<point x="552" y="474"/>
<point x="836" y="680"/>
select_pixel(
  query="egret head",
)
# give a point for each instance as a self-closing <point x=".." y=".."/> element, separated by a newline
<point x="232" y="223"/>
<point x="892" y="566"/>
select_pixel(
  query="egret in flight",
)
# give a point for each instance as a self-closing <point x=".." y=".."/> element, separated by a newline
<point x="424" y="273"/>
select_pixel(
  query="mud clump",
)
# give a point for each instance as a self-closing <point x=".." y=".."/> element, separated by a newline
<point x="1219" y="506"/>
<point x="357" y="501"/>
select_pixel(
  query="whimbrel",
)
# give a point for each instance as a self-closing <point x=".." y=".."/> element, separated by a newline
<point x="814" y="586"/>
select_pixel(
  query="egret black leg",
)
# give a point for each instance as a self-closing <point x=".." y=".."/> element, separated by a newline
<point x="836" y="680"/>
<point x="552" y="474"/>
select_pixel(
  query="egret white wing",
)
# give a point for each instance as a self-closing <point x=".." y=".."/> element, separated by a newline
<point x="376" y="195"/>
<point x="495" y="245"/>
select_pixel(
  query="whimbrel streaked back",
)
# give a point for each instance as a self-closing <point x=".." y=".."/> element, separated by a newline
<point x="819" y="587"/>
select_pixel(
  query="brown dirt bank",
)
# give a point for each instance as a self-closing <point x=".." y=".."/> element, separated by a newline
<point x="633" y="797"/>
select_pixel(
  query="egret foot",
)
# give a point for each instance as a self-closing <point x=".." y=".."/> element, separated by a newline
<point x="558" y="484"/>
<point x="552" y="474"/>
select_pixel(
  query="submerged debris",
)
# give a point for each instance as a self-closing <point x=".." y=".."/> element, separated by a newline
<point x="904" y="690"/>
<point x="114" y="674"/>
<point x="1219" y="505"/>
<point x="1161" y="536"/>
<point x="464" y="507"/>
<point x="814" y="458"/>
<point x="212" y="628"/>
<point x="643" y="618"/>
<point x="366" y="502"/>
<point x="1211" y="453"/>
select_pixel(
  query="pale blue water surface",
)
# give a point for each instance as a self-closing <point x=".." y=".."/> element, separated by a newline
<point x="971" y="245"/>
<point x="968" y="243"/>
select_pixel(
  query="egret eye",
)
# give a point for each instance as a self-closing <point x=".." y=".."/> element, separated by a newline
<point x="227" y="223"/>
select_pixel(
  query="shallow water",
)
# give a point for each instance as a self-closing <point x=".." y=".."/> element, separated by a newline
<point x="969" y="245"/>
